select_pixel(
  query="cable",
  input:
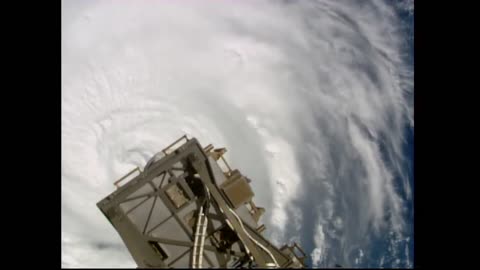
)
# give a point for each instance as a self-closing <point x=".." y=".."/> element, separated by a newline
<point x="253" y="240"/>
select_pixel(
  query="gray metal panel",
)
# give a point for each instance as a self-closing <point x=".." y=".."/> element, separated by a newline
<point x="129" y="205"/>
<point x="212" y="258"/>
<point x="143" y="190"/>
<point x="141" y="251"/>
<point x="185" y="212"/>
<point x="245" y="216"/>
<point x="139" y="215"/>
<point x="171" y="229"/>
<point x="215" y="221"/>
<point x="217" y="172"/>
<point x="159" y="214"/>
<point x="236" y="247"/>
<point x="161" y="179"/>
<point x="183" y="261"/>
<point x="175" y="252"/>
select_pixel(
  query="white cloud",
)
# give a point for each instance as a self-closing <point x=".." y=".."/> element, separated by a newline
<point x="318" y="253"/>
<point x="316" y="256"/>
<point x="301" y="93"/>
<point x="407" y="5"/>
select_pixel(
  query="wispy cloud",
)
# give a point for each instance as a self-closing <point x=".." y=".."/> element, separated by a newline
<point x="310" y="97"/>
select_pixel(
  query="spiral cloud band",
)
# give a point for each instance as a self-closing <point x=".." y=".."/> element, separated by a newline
<point x="311" y="99"/>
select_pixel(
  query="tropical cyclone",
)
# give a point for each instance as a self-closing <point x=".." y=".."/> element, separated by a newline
<point x="311" y="97"/>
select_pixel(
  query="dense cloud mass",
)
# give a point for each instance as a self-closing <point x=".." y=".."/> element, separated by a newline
<point x="311" y="98"/>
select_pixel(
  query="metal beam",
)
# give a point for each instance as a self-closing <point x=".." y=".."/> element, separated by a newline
<point x="201" y="165"/>
<point x="177" y="242"/>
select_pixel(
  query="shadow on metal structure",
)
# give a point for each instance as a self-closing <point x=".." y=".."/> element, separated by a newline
<point x="188" y="209"/>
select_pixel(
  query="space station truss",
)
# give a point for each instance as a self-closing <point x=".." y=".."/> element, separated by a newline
<point x="189" y="209"/>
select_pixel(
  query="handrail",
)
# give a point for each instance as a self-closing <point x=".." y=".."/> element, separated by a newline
<point x="175" y="142"/>
<point x="208" y="148"/>
<point x="128" y="174"/>
<point x="229" y="172"/>
<point x="299" y="248"/>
